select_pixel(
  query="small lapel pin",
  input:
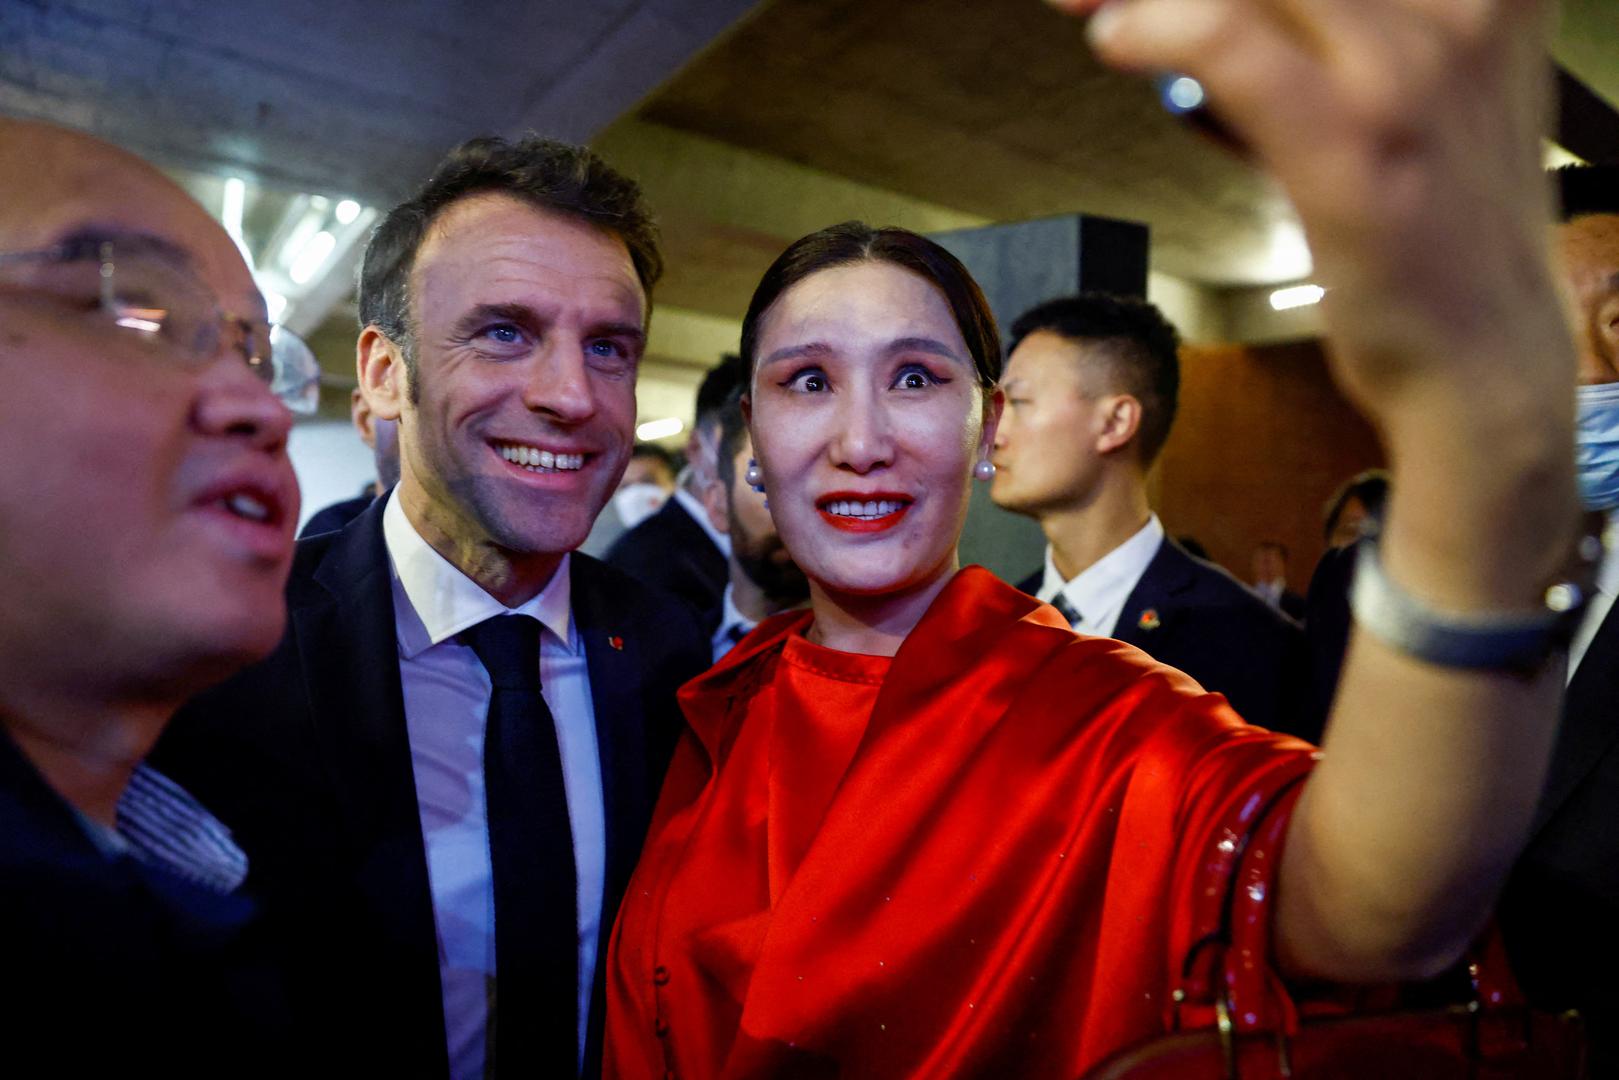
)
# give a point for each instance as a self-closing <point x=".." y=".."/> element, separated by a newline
<point x="616" y="642"/>
<point x="1149" y="620"/>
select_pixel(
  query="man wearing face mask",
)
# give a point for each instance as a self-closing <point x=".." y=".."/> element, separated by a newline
<point x="1562" y="902"/>
<point x="678" y="549"/>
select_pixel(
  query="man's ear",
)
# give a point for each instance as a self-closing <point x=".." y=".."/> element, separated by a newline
<point x="360" y="413"/>
<point x="1121" y="420"/>
<point x="994" y="405"/>
<point x="380" y="367"/>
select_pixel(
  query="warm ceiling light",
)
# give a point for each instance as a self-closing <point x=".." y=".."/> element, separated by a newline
<point x="346" y="211"/>
<point x="1296" y="296"/>
<point x="653" y="430"/>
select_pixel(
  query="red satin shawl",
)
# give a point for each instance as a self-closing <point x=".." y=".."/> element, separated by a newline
<point x="993" y="864"/>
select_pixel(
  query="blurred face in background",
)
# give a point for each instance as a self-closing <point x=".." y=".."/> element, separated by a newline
<point x="1588" y="254"/>
<point x="755" y="544"/>
<point x="147" y="504"/>
<point x="866" y="417"/>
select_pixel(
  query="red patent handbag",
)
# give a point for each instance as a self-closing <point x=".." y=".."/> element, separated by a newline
<point x="1235" y="1019"/>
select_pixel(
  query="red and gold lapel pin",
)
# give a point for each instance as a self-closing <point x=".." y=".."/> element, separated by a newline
<point x="1149" y="620"/>
<point x="616" y="642"/>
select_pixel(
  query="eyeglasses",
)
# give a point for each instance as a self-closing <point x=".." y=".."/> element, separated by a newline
<point x="142" y="287"/>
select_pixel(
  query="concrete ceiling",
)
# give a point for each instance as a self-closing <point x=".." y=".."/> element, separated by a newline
<point x="749" y="123"/>
<point x="992" y="108"/>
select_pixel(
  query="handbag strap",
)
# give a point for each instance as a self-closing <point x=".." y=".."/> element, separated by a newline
<point x="1228" y="979"/>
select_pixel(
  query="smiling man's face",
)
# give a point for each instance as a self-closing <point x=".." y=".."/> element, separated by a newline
<point x="527" y="328"/>
<point x="147" y="504"/>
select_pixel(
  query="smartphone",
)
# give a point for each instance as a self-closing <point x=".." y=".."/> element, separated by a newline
<point x="1183" y="96"/>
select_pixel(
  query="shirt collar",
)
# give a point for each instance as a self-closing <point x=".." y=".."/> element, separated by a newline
<point x="1106" y="583"/>
<point x="730" y="614"/>
<point x="689" y="503"/>
<point x="1608" y="569"/>
<point x="440" y="601"/>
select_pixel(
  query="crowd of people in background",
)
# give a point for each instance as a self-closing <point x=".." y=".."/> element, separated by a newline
<point x="775" y="786"/>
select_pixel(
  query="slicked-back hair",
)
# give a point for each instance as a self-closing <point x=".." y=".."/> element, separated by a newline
<point x="1587" y="189"/>
<point x="550" y="175"/>
<point x="854" y="242"/>
<point x="1140" y="346"/>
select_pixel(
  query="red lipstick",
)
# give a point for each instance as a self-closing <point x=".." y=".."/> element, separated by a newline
<point x="853" y="516"/>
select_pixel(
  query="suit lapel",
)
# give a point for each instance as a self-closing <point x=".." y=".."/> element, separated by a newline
<point x="347" y="645"/>
<point x="1588" y="729"/>
<point x="615" y="658"/>
<point x="1148" y="618"/>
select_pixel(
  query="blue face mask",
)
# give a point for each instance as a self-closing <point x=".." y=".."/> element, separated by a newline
<point x="1596" y="445"/>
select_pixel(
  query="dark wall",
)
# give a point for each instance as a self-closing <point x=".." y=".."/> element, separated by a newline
<point x="1262" y="439"/>
<point x="1018" y="265"/>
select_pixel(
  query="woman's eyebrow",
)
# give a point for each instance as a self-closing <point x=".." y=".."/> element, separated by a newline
<point x="924" y="345"/>
<point x="808" y="350"/>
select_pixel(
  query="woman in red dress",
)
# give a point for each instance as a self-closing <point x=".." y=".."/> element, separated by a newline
<point x="923" y="830"/>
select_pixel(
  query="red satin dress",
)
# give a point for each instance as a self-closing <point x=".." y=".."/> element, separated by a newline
<point x="986" y="857"/>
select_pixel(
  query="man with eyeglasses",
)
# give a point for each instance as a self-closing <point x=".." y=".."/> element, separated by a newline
<point x="146" y="516"/>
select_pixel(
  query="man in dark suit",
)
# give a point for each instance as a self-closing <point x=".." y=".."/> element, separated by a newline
<point x="1269" y="563"/>
<point x="1090" y="387"/>
<point x="382" y="437"/>
<point x="147" y="505"/>
<point x="444" y="773"/>
<point x="1560" y="911"/>
<point x="678" y="549"/>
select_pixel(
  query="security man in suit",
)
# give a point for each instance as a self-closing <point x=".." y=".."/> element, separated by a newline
<point x="1560" y="910"/>
<point x="1090" y="388"/>
<point x="678" y="549"/>
<point x="146" y="515"/>
<point x="445" y="772"/>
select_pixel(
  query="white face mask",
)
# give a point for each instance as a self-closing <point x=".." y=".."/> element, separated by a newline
<point x="1596" y="445"/>
<point x="634" y="503"/>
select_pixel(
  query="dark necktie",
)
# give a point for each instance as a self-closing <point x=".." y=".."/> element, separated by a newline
<point x="1066" y="609"/>
<point x="533" y="1015"/>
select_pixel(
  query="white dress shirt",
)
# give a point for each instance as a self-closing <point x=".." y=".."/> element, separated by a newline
<point x="1601" y="602"/>
<point x="447" y="695"/>
<point x="1099" y="591"/>
<point x="690" y="503"/>
<point x="733" y="625"/>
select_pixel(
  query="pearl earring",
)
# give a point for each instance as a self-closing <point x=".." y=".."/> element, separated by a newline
<point x="754" y="478"/>
<point x="984" y="470"/>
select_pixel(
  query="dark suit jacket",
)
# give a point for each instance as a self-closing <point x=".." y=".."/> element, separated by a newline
<point x="306" y="757"/>
<point x="1192" y="615"/>
<point x="114" y="968"/>
<point x="1560" y="911"/>
<point x="671" y="551"/>
<point x="334" y="517"/>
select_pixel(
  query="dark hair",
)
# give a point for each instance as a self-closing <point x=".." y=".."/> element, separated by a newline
<point x="1587" y="189"/>
<point x="653" y="450"/>
<point x="551" y="175"/>
<point x="1370" y="487"/>
<point x="855" y="241"/>
<point x="732" y="429"/>
<point x="717" y="387"/>
<point x="1140" y="345"/>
